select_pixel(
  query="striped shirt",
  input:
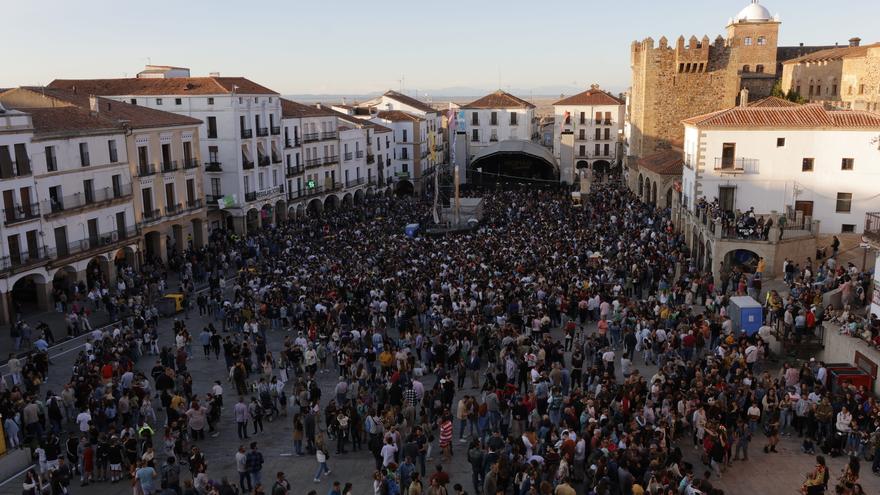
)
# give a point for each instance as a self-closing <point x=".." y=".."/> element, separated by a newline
<point x="445" y="433"/>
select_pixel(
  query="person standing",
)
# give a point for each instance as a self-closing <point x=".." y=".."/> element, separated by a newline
<point x="244" y="476"/>
<point x="146" y="475"/>
<point x="255" y="464"/>
<point x="242" y="415"/>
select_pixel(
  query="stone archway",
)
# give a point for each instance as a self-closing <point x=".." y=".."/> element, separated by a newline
<point x="124" y="257"/>
<point x="701" y="251"/>
<point x="280" y="212"/>
<point x="29" y="294"/>
<point x="153" y="246"/>
<point x="641" y="185"/>
<point x="359" y="197"/>
<point x="601" y="167"/>
<point x="654" y="193"/>
<point x="669" y="198"/>
<point x="252" y="220"/>
<point x="266" y="214"/>
<point x="708" y="265"/>
<point x="404" y="187"/>
<point x="582" y="164"/>
<point x="98" y="272"/>
<point x="745" y="259"/>
<point x="316" y="208"/>
<point x="331" y="202"/>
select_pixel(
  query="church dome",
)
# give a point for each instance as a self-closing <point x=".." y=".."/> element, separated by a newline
<point x="754" y="12"/>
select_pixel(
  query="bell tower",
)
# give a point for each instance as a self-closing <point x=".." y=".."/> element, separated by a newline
<point x="753" y="36"/>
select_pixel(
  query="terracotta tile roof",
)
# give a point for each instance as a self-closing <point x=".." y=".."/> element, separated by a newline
<point x="773" y="101"/>
<point x="499" y="99"/>
<point x="410" y="101"/>
<point x="798" y="116"/>
<point x="668" y="162"/>
<point x="52" y="121"/>
<point x="833" y="54"/>
<point x="592" y="96"/>
<point x="292" y="109"/>
<point x="379" y="128"/>
<point x="398" y="116"/>
<point x="182" y="86"/>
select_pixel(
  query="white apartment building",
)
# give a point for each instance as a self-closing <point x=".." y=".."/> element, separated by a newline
<point x="588" y="131"/>
<point x="406" y="143"/>
<point x="802" y="161"/>
<point x="317" y="128"/>
<point x="67" y="203"/>
<point x="498" y="116"/>
<point x="241" y="137"/>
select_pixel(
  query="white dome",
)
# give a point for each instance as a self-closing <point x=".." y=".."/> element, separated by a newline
<point x="753" y="12"/>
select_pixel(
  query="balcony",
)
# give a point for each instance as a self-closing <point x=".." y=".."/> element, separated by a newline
<point x="359" y="154"/>
<point x="146" y="170"/>
<point x="263" y="160"/>
<point x="11" y="170"/>
<point x="250" y="196"/>
<point x="213" y="167"/>
<point x="247" y="133"/>
<point x="195" y="204"/>
<point x="275" y="158"/>
<point x="312" y="191"/>
<point x="311" y="137"/>
<point x="475" y="139"/>
<point x="371" y="158"/>
<point x="172" y="210"/>
<point x="101" y="241"/>
<point x="290" y="143"/>
<point x="275" y="130"/>
<point x="268" y="192"/>
<point x="169" y="167"/>
<point x="262" y="131"/>
<point x="190" y="164"/>
<point x="313" y="163"/>
<point x="21" y="213"/>
<point x="493" y="122"/>
<point x="355" y="182"/>
<point x="247" y="165"/>
<point x="872" y="227"/>
<point x="725" y="165"/>
<point x="331" y="159"/>
<point x="150" y="216"/>
<point x="348" y="156"/>
<point x="212" y="199"/>
<point x="493" y="139"/>
<point x="24" y="259"/>
<point x="294" y="171"/>
<point x="65" y="204"/>
<point x="328" y="135"/>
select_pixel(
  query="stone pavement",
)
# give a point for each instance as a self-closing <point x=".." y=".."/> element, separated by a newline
<point x="763" y="473"/>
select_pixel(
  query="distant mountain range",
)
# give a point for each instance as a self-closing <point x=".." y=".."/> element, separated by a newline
<point x="454" y="93"/>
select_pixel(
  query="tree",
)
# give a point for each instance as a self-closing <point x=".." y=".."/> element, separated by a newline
<point x="791" y="95"/>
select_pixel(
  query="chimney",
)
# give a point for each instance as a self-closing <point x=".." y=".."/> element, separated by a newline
<point x="743" y="97"/>
<point x="93" y="104"/>
<point x="854" y="41"/>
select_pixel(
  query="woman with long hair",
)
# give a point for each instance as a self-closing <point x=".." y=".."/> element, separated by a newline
<point x="816" y="479"/>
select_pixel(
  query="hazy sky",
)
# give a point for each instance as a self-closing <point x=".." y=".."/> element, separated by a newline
<point x="360" y="46"/>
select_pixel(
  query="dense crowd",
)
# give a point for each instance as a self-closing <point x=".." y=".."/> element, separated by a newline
<point x="513" y="345"/>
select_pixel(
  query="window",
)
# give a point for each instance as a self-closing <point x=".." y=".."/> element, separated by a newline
<point x="607" y="118"/>
<point x="513" y="118"/>
<point x="811" y="90"/>
<point x="746" y="68"/>
<point x="51" y="162"/>
<point x="210" y="101"/>
<point x="847" y="164"/>
<point x="493" y="119"/>
<point x="761" y="41"/>
<point x="116" y="180"/>
<point x="833" y="89"/>
<point x="861" y="89"/>
<point x="582" y="150"/>
<point x="111" y="146"/>
<point x="133" y="101"/>
<point x="178" y="101"/>
<point x="607" y="133"/>
<point x="84" y="154"/>
<point x="598" y="146"/>
<point x="583" y="135"/>
<point x="748" y="41"/>
<point x="807" y="165"/>
<point x="598" y="118"/>
<point x="583" y="117"/>
<point x="598" y="133"/>
<point x="475" y="136"/>
<point x="475" y="118"/>
<point x="212" y="127"/>
<point x="759" y="69"/>
<point x="844" y="202"/>
<point x="405" y="136"/>
<point x="158" y="101"/>
<point x="607" y="151"/>
<point x="780" y="142"/>
<point x="89" y="190"/>
<point x="847" y="228"/>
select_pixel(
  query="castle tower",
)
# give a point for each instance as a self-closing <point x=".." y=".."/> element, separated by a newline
<point x="753" y="36"/>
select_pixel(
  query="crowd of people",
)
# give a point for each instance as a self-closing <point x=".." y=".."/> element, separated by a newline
<point x="514" y="345"/>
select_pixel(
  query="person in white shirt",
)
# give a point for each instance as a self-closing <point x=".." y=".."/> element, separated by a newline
<point x="83" y="419"/>
<point x="844" y="419"/>
<point x="388" y="451"/>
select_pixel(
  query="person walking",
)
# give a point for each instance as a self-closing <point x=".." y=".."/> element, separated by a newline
<point x="321" y="455"/>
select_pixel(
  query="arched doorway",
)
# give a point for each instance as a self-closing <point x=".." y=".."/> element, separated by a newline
<point x="97" y="272"/>
<point x="514" y="162"/>
<point x="280" y="212"/>
<point x="746" y="260"/>
<point x="331" y="202"/>
<point x="124" y="257"/>
<point x="266" y="215"/>
<point x="252" y="220"/>
<point x="646" y="197"/>
<point x="404" y="187"/>
<point x="669" y="198"/>
<point x="359" y="197"/>
<point x="198" y="238"/>
<point x="28" y="295"/>
<point x="371" y="192"/>
<point x="347" y="201"/>
<point x="654" y="193"/>
<point x="701" y="251"/>
<point x="316" y="208"/>
<point x="177" y="243"/>
<point x="152" y="246"/>
<point x="582" y="164"/>
<point x="641" y="185"/>
<point x="601" y="168"/>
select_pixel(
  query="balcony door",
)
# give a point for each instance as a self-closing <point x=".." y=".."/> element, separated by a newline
<point x="728" y="155"/>
<point x="120" y="224"/>
<point x="9" y="204"/>
<point x="14" y="249"/>
<point x="93" y="232"/>
<point x="32" y="246"/>
<point x="727" y="198"/>
<point x="61" y="241"/>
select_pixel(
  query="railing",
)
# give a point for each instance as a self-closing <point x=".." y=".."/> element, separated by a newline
<point x="169" y="166"/>
<point x="359" y="154"/>
<point x="247" y="133"/>
<point x="493" y="122"/>
<point x="173" y="209"/>
<point x="348" y="156"/>
<point x="194" y="204"/>
<point x="22" y="168"/>
<point x="190" y="164"/>
<point x="276" y="158"/>
<point x="371" y="158"/>
<point x="213" y="167"/>
<point x="264" y="161"/>
<point x="736" y="166"/>
<point x="290" y="143"/>
<point x="313" y="162"/>
<point x="293" y="171"/>
<point x="308" y="137"/>
<point x="250" y="196"/>
<point x="82" y="200"/>
<point x="331" y="159"/>
<point x="872" y="226"/>
<point x="262" y="131"/>
<point x="101" y="240"/>
<point x="276" y="130"/>
<point x="372" y="182"/>
<point x="328" y="135"/>
<point x="149" y="216"/>
<point x="402" y="175"/>
<point x="21" y="213"/>
<point x="355" y="182"/>
<point x="312" y="191"/>
<point x="475" y="139"/>
<point x="247" y="165"/>
<point x="212" y="199"/>
<point x="146" y="170"/>
<point x="268" y="192"/>
<point x="24" y="259"/>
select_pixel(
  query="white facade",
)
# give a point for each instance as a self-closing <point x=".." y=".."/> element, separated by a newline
<point x="597" y="129"/>
<point x="486" y="126"/>
<point x="832" y="172"/>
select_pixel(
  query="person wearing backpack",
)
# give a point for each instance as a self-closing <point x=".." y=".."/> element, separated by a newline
<point x="281" y="486"/>
<point x="171" y="475"/>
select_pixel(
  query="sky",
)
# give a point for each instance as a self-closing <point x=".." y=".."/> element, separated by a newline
<point x="367" y="46"/>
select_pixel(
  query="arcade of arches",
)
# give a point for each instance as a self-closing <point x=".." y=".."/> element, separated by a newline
<point x="513" y="161"/>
